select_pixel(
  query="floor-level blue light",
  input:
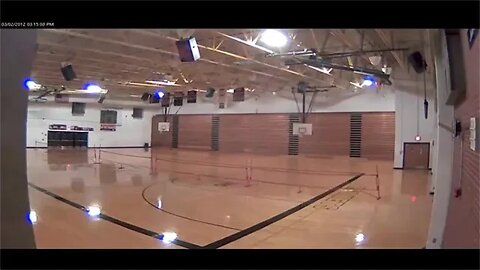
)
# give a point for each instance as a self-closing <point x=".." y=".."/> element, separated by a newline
<point x="168" y="237"/>
<point x="32" y="217"/>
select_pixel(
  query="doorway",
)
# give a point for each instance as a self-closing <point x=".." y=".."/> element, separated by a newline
<point x="416" y="156"/>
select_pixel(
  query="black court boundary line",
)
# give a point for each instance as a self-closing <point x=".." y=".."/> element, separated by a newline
<point x="180" y="216"/>
<point x="265" y="223"/>
<point x="118" y="222"/>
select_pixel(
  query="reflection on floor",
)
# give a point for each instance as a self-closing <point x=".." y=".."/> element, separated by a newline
<point x="204" y="197"/>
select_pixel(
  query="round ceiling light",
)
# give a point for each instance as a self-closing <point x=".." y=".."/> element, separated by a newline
<point x="274" y="38"/>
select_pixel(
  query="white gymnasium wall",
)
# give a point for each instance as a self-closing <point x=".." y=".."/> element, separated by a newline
<point x="335" y="100"/>
<point x="409" y="112"/>
<point x="131" y="132"/>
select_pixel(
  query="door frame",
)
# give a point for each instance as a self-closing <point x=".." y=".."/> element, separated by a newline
<point x="428" y="160"/>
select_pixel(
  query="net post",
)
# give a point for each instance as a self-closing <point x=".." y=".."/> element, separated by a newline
<point x="153" y="162"/>
<point x="251" y="172"/>
<point x="95" y="156"/>
<point x="377" y="180"/>
<point x="248" y="173"/>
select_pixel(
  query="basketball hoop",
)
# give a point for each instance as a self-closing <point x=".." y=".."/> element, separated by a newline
<point x="302" y="131"/>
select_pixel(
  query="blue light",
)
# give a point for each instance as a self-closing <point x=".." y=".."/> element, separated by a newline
<point x="92" y="88"/>
<point x="29" y="84"/>
<point x="32" y="217"/>
<point x="168" y="237"/>
<point x="158" y="94"/>
<point x="368" y="81"/>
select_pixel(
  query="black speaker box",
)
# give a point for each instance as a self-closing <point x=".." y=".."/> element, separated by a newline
<point x="239" y="94"/>
<point x="188" y="50"/>
<point x="456" y="76"/>
<point x="146" y="96"/>
<point x="192" y="96"/>
<point x="210" y="92"/>
<point x="68" y="73"/>
<point x="302" y="87"/>
<point x="418" y="62"/>
<point x="165" y="101"/>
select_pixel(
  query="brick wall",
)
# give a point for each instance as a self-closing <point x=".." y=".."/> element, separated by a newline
<point x="268" y="134"/>
<point x="462" y="228"/>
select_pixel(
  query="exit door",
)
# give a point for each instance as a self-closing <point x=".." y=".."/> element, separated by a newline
<point x="416" y="155"/>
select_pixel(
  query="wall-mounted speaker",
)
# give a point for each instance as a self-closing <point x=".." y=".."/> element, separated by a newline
<point x="146" y="96"/>
<point x="68" y="73"/>
<point x="417" y="61"/>
<point x="239" y="94"/>
<point x="188" y="50"/>
<point x="302" y="87"/>
<point x="178" y="98"/>
<point x="192" y="96"/>
<point x="456" y="66"/>
<point x="210" y="92"/>
<point x="165" y="101"/>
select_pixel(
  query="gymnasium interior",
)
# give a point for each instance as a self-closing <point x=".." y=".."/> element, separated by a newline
<point x="241" y="138"/>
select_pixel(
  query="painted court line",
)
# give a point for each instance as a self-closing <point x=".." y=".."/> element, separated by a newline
<point x="265" y="223"/>
<point x="118" y="222"/>
<point x="183" y="217"/>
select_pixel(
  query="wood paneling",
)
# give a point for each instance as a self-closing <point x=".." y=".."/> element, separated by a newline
<point x="256" y="133"/>
<point x="195" y="131"/>
<point x="378" y="135"/>
<point x="159" y="139"/>
<point x="330" y="135"/>
<point x="463" y="221"/>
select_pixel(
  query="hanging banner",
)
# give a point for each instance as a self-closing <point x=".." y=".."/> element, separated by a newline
<point x="57" y="127"/>
<point x="108" y="127"/>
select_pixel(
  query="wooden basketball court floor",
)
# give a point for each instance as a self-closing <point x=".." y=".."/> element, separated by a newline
<point x="223" y="200"/>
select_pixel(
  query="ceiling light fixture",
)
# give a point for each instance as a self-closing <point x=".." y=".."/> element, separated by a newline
<point x="158" y="94"/>
<point x="249" y="43"/>
<point x="163" y="82"/>
<point x="92" y="88"/>
<point x="356" y="84"/>
<point x="31" y="85"/>
<point x="322" y="70"/>
<point x="375" y="60"/>
<point x="274" y="38"/>
<point x="387" y="70"/>
<point x="369" y="81"/>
